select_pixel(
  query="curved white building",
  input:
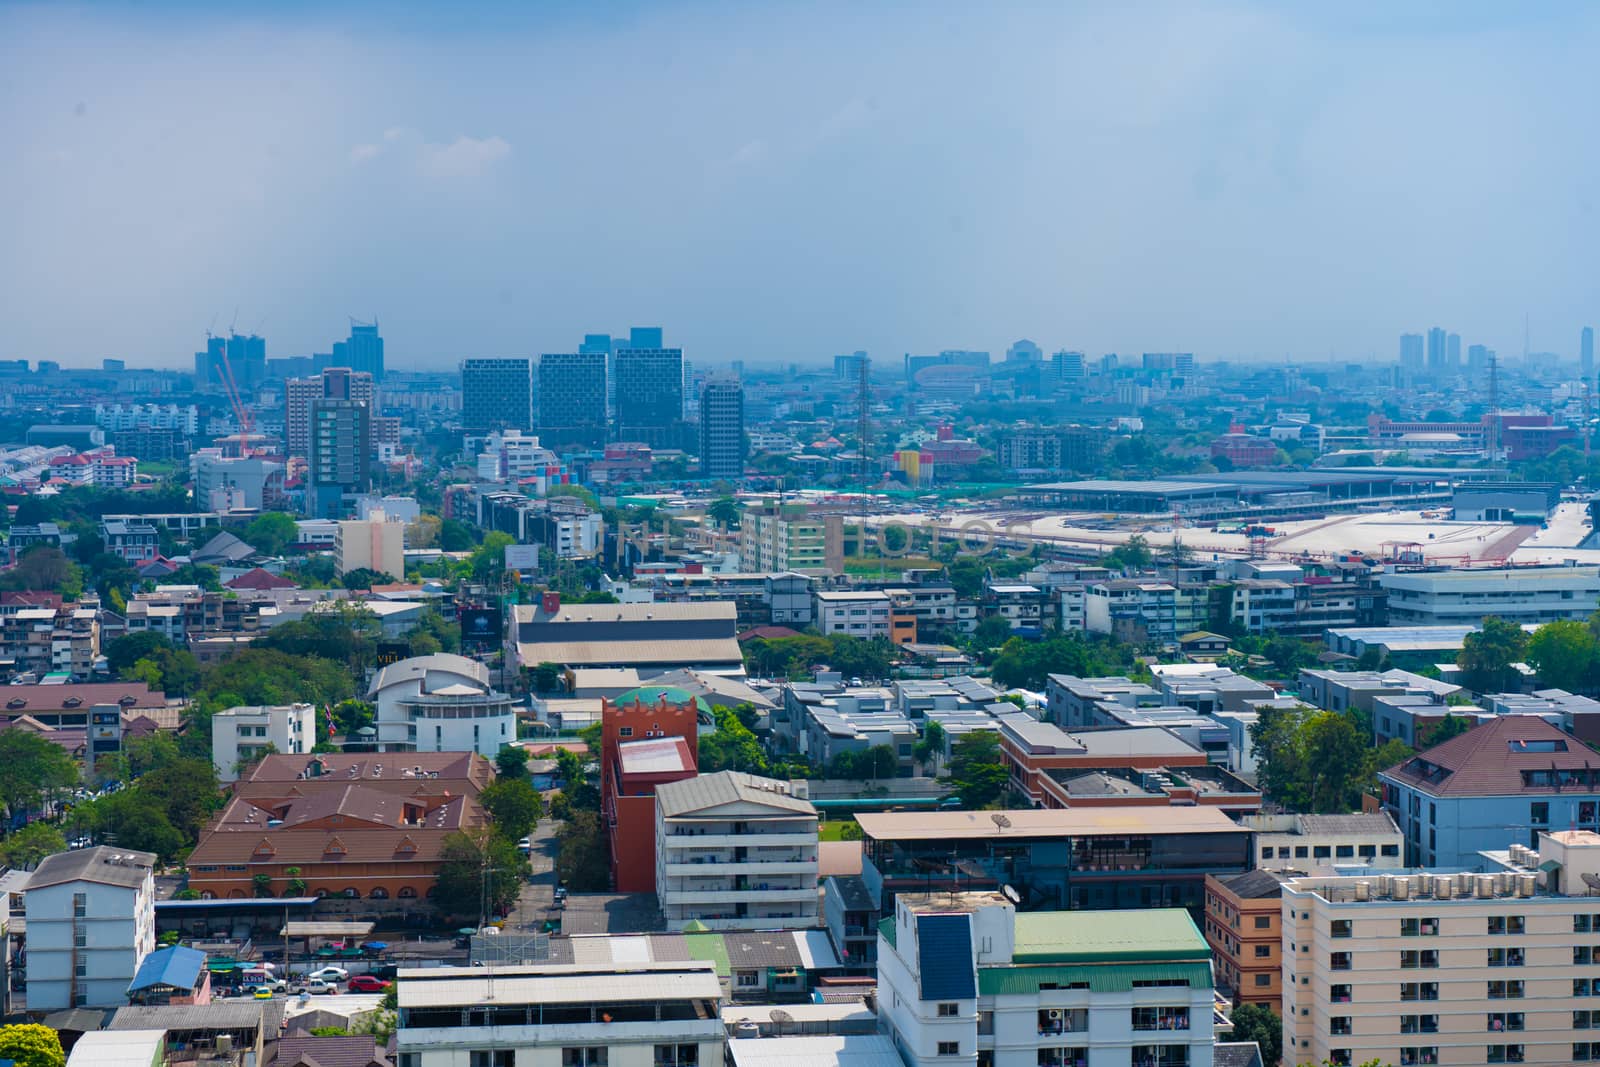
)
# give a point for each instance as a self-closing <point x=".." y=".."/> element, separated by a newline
<point x="440" y="703"/>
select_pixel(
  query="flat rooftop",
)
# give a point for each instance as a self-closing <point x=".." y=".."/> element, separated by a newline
<point x="558" y="984"/>
<point x="1041" y="822"/>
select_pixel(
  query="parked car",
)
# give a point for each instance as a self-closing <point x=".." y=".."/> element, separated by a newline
<point x="330" y="974"/>
<point x="525" y="846"/>
<point x="366" y="983"/>
<point x="262" y="992"/>
<point x="321" y="987"/>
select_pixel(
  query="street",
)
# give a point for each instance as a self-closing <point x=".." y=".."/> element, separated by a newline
<point x="537" y="897"/>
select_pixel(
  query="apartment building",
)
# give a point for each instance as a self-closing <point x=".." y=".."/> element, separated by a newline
<point x="735" y="852"/>
<point x="244" y="733"/>
<point x="1356" y="690"/>
<point x="1243" y="925"/>
<point x="789" y="538"/>
<point x="91" y="922"/>
<point x="1031" y="749"/>
<point x="50" y="638"/>
<point x="562" y="1015"/>
<point x="964" y="977"/>
<point x="1448" y="967"/>
<point x="1142" y="610"/>
<point x="376" y="543"/>
<point x="860" y="613"/>
<point x="1522" y="595"/>
<point x="1301" y="842"/>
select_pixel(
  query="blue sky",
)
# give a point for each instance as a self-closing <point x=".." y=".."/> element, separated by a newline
<point x="781" y="182"/>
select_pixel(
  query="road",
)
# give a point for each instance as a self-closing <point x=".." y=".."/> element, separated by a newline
<point x="534" y="904"/>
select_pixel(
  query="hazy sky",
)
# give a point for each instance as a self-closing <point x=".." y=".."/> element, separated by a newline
<point x="776" y="182"/>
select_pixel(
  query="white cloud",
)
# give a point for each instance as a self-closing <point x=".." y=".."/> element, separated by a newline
<point x="363" y="152"/>
<point x="466" y="157"/>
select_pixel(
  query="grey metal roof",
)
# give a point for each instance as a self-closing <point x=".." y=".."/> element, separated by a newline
<point x="1374" y="823"/>
<point x="852" y="893"/>
<point x="218" y="1015"/>
<point x="1236" y="1054"/>
<point x="574" y="984"/>
<point x="109" y="866"/>
<point x="417" y="667"/>
<point x="1253" y="885"/>
<point x="773" y="949"/>
<point x="727" y="787"/>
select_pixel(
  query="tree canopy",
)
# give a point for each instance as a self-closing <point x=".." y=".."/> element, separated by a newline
<point x="1487" y="655"/>
<point x="977" y="774"/>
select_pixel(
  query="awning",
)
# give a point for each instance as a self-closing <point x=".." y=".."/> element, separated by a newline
<point x="325" y="929"/>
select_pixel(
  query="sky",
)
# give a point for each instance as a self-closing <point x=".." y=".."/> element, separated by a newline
<point x="781" y="182"/>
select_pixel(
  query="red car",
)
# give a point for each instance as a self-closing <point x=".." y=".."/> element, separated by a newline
<point x="365" y="983"/>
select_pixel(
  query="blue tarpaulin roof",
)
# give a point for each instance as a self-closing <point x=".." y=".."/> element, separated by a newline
<point x="178" y="967"/>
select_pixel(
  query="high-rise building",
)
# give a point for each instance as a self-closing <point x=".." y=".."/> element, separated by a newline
<point x="1411" y="352"/>
<point x="722" y="429"/>
<point x="650" y="395"/>
<point x="363" y="351"/>
<point x="848" y="368"/>
<point x="496" y="394"/>
<point x="1452" y="351"/>
<point x="1024" y="351"/>
<point x="1586" y="351"/>
<point x="572" y="397"/>
<point x="1436" y="349"/>
<point x="335" y="383"/>
<point x="691" y="392"/>
<point x="340" y="464"/>
<point x="1477" y="359"/>
<point x="244" y="356"/>
<point x="1068" y="366"/>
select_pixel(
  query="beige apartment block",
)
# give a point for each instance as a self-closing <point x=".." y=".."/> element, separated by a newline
<point x="1449" y="968"/>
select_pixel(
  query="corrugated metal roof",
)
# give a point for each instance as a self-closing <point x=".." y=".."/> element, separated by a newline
<point x="727" y="787"/>
<point x="1102" y="978"/>
<point x="944" y="957"/>
<point x="686" y="651"/>
<point x="816" y="949"/>
<point x="710" y="948"/>
<point x="1042" y="822"/>
<point x="175" y="966"/>
<point x="854" y="1050"/>
<point x="118" y="1048"/>
<point x="564" y="986"/>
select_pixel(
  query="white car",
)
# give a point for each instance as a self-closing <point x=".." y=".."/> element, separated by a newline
<point x="319" y="987"/>
<point x="330" y="974"/>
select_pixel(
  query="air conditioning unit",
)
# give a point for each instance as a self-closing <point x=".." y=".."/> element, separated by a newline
<point x="1056" y="1015"/>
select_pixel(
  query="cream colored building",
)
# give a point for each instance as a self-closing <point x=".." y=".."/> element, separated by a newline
<point x="376" y="544"/>
<point x="1444" y="968"/>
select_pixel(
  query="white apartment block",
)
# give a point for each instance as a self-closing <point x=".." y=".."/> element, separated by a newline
<point x="243" y="733"/>
<point x="735" y="852"/>
<point x="1449" y="968"/>
<point x="91" y="917"/>
<point x="1303" y="842"/>
<point x="374" y="544"/>
<point x="964" y="978"/>
<point x="1521" y="595"/>
<point x="562" y="1015"/>
<point x="183" y="419"/>
<point x="859" y="614"/>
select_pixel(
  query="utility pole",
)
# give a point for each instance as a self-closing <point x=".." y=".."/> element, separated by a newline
<point x="1494" y="409"/>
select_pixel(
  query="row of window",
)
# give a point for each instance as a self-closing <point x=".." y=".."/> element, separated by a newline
<point x="1323" y="852"/>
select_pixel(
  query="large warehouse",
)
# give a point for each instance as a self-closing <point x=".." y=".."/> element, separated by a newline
<point x="1238" y="490"/>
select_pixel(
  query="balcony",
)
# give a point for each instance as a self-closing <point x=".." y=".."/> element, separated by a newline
<point x="751" y="839"/>
<point x="1160" y="1019"/>
<point x="700" y="870"/>
<point x="1063" y="1020"/>
<point x="738" y="896"/>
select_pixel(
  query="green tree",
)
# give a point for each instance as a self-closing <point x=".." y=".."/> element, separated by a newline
<point x="977" y="773"/>
<point x="1487" y="655"/>
<point x="1132" y="555"/>
<point x="992" y="632"/>
<point x="31" y="844"/>
<point x="138" y="820"/>
<point x="1275" y="736"/>
<point x="1335" y="755"/>
<point x="296" y="885"/>
<point x="583" y="861"/>
<point x="1258" y="1023"/>
<point x="858" y="657"/>
<point x="1024" y="664"/>
<point x="45" y="568"/>
<point x="930" y="747"/>
<point x="187" y="790"/>
<point x="731" y="746"/>
<point x="261" y="884"/>
<point x="489" y="558"/>
<point x="31" y="1045"/>
<point x="547" y="677"/>
<point x="478" y="867"/>
<point x="724" y="511"/>
<point x="1446" y="728"/>
<point x="271" y="533"/>
<point x="456" y="536"/>
<point x="30" y="767"/>
<point x="514" y="806"/>
<point x="511" y="762"/>
<point x="1566" y="655"/>
<point x="125" y="651"/>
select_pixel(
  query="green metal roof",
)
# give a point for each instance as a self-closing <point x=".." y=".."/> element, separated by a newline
<point x="1108" y="936"/>
<point x="1105" y="978"/>
<point x="886" y="928"/>
<point x="709" y="947"/>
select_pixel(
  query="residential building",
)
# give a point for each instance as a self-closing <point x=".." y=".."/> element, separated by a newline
<point x="1411" y="353"/>
<point x="774" y="538"/>
<point x="362" y="351"/>
<point x="235" y="483"/>
<point x="91" y="923"/>
<point x="440" y="703"/>
<point x="1509" y="779"/>
<point x="649" y="396"/>
<point x="376" y="544"/>
<point x="129" y="541"/>
<point x="572" y="397"/>
<point x="23" y="537"/>
<point x="735" y="852"/>
<point x="1445" y="966"/>
<point x="1141" y="610"/>
<point x="1030" y="748"/>
<point x="242" y="734"/>
<point x="1358" y="690"/>
<point x="1586" y="352"/>
<point x="965" y="977"/>
<point x="1243" y="926"/>
<point x="562" y="1015"/>
<point x="1521" y="595"/>
<point x="860" y="613"/>
<point x="359" y="826"/>
<point x="648" y="738"/>
<point x="1304" y="842"/>
<point x="1074" y="702"/>
<point x="496" y="394"/>
<point x="334" y="383"/>
<point x="42" y="640"/>
<point x="1058" y="448"/>
<point x="340" y="466"/>
<point x="653" y="638"/>
<point x="722" y="443"/>
<point x="566" y="526"/>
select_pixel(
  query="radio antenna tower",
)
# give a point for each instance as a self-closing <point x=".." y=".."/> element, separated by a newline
<point x="1494" y="410"/>
<point x="864" y="429"/>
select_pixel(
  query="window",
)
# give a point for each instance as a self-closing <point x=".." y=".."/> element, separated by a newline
<point x="1340" y="1026"/>
<point x="1505" y="990"/>
<point x="1340" y="961"/>
<point x="1419" y="1024"/>
<point x="677" y="1056"/>
<point x="1339" y="994"/>
<point x="986" y="1022"/>
<point x="1338" y="1057"/>
<point x="1341" y="928"/>
<point x="582" y="1056"/>
<point x="1263" y="979"/>
<point x="1263" y="922"/>
<point x="1061" y="1057"/>
<point x="1580" y="924"/>
<point x="1505" y="1053"/>
<point x="80" y="905"/>
<point x="749" y="979"/>
<point x="1415" y="1055"/>
<point x="1584" y="1051"/>
<point x="500" y="1057"/>
<point x="80" y="939"/>
<point x="1582" y="955"/>
<point x="1367" y="852"/>
<point x="1263" y="952"/>
<point x="949" y="1048"/>
<point x="1388" y="850"/>
<point x="1161" y="1018"/>
<point x="949" y="1010"/>
<point x="1419" y="927"/>
<point x="1161" y="1055"/>
<point x="1539" y="815"/>
<point x="1416" y="991"/>
<point x="1344" y="852"/>
<point x="81" y="968"/>
<point x="1581" y="987"/>
<point x="1505" y="1020"/>
<point x="624" y="731"/>
<point x="1301" y="852"/>
<point x="1585" y="1020"/>
<point x="1321" y="852"/>
<point x="1414" y="958"/>
<point x="1507" y="957"/>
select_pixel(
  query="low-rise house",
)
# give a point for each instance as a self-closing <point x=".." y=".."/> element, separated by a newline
<point x="176" y="974"/>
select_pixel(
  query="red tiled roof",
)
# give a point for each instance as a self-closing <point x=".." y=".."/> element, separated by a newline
<point x="20" y="699"/>
<point x="257" y="578"/>
<point x="768" y="633"/>
<point x="1488" y="760"/>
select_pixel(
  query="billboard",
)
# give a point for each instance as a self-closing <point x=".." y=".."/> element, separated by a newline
<point x="392" y="652"/>
<point x="522" y="557"/>
<point x="480" y="627"/>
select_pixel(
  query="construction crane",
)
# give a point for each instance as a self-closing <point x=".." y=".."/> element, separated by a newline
<point x="241" y="411"/>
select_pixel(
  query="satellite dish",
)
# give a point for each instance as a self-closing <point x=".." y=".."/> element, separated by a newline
<point x="1000" y="820"/>
<point x="1011" y="895"/>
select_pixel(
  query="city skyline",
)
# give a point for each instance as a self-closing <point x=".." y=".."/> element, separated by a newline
<point x="818" y="184"/>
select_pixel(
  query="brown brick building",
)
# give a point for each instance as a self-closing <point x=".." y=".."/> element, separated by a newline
<point x="1243" y="927"/>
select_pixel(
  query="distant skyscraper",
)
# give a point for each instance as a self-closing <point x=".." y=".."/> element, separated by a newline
<point x="362" y="352"/>
<point x="691" y="392"/>
<point x="1452" y="351"/>
<point x="340" y="464"/>
<point x="1477" y="359"/>
<point x="335" y="383"/>
<point x="242" y="355"/>
<point x="650" y="395"/>
<point x="1068" y="366"/>
<point x="1436" y="349"/>
<point x="572" y="398"/>
<point x="1024" y="351"/>
<point x="1586" y="351"/>
<point x="496" y="394"/>
<point x="722" y="429"/>
<point x="1411" y="352"/>
<point x="848" y="368"/>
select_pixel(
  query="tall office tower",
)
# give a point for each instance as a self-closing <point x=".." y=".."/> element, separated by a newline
<point x="363" y="351"/>
<point x="1411" y="352"/>
<point x="572" y="398"/>
<point x="1586" y="351"/>
<point x="1452" y="351"/>
<point x="722" y="429"/>
<point x="496" y="394"/>
<point x="208" y="371"/>
<point x="691" y="392"/>
<point x="1477" y="359"/>
<point x="247" y="357"/>
<point x="1024" y="351"/>
<point x="848" y="368"/>
<point x="650" y="395"/>
<point x="340" y="464"/>
<point x="1068" y="366"/>
<point x="1436" y="349"/>
<point x="603" y="344"/>
<point x="335" y="383"/>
